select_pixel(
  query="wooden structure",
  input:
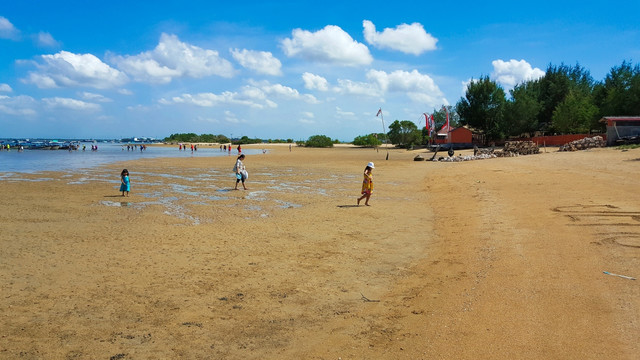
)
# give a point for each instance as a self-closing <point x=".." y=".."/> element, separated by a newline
<point x="620" y="128"/>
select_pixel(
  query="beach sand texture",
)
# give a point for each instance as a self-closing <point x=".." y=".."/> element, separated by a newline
<point x="488" y="259"/>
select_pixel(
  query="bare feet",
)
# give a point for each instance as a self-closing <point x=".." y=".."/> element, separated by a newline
<point x="358" y="202"/>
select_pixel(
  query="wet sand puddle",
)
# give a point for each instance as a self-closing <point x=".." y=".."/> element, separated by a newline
<point x="185" y="196"/>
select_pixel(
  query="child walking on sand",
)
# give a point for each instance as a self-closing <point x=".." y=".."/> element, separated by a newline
<point x="367" y="184"/>
<point x="124" y="182"/>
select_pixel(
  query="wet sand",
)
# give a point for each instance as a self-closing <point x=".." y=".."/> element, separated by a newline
<point x="489" y="259"/>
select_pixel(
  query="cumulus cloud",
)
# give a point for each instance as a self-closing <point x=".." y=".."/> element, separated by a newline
<point x="70" y="104"/>
<point x="18" y="105"/>
<point x="5" y="88"/>
<point x="211" y="100"/>
<point x="262" y="62"/>
<point x="315" y="82"/>
<point x="7" y="30"/>
<point x="44" y="39"/>
<point x="350" y="87"/>
<point x="282" y="91"/>
<point x="513" y="72"/>
<point x="66" y="69"/>
<point x="173" y="58"/>
<point x="418" y="87"/>
<point x="409" y="39"/>
<point x="330" y="45"/>
<point x="255" y="95"/>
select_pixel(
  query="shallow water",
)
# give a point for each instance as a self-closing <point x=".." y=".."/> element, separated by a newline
<point x="33" y="161"/>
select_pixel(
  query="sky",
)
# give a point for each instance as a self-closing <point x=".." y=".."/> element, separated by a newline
<point x="281" y="69"/>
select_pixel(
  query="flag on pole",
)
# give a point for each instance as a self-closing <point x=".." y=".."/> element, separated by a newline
<point x="379" y="112"/>
<point x="426" y="120"/>
<point x="446" y="124"/>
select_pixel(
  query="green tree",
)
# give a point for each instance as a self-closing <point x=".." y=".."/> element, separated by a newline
<point x="483" y="108"/>
<point x="404" y="133"/>
<point x="575" y="114"/>
<point x="370" y="140"/>
<point x="556" y="84"/>
<point x="521" y="115"/>
<point x="619" y="93"/>
<point x="319" y="141"/>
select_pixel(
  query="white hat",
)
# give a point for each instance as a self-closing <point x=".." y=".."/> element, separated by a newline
<point x="371" y="165"/>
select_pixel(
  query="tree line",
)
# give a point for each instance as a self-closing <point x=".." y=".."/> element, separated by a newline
<point x="566" y="100"/>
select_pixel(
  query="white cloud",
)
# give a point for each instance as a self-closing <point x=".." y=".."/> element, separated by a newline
<point x="7" y="30"/>
<point x="211" y="100"/>
<point x="358" y="88"/>
<point x="342" y="113"/>
<point x="173" y="58"/>
<point x="95" y="97"/>
<point x="125" y="92"/>
<point x="45" y="39"/>
<point x="281" y="91"/>
<point x="262" y="62"/>
<point x="418" y="87"/>
<point x="514" y="72"/>
<point x="409" y="39"/>
<point x="19" y="105"/>
<point x="329" y="45"/>
<point x="70" y="104"/>
<point x="5" y="88"/>
<point x="308" y="114"/>
<point x="312" y="81"/>
<point x="66" y="69"/>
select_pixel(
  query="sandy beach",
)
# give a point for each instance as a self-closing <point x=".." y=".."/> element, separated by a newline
<point x="488" y="259"/>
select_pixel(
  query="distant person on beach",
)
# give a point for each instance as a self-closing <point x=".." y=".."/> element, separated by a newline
<point x="124" y="182"/>
<point x="367" y="184"/>
<point x="241" y="172"/>
<point x="239" y="149"/>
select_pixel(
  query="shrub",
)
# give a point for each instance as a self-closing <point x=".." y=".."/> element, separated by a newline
<point x="319" y="141"/>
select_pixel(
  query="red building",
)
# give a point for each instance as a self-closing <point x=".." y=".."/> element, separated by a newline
<point x="460" y="137"/>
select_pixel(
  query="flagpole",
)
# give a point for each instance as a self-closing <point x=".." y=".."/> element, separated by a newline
<point x="384" y="132"/>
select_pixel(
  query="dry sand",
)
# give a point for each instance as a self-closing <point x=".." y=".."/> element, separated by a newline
<point x="489" y="259"/>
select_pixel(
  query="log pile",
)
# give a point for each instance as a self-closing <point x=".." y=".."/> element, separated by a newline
<point x="583" y="144"/>
<point x="516" y="148"/>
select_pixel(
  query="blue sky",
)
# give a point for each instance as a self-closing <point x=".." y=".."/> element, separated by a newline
<point x="286" y="69"/>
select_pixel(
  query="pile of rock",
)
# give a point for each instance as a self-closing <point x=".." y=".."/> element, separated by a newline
<point x="583" y="144"/>
<point x="515" y="148"/>
<point x="460" y="158"/>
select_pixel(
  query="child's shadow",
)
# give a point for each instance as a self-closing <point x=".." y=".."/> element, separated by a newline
<point x="116" y="196"/>
<point x="347" y="206"/>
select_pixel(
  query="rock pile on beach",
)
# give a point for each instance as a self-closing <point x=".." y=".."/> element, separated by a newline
<point x="516" y="148"/>
<point x="460" y="158"/>
<point x="583" y="144"/>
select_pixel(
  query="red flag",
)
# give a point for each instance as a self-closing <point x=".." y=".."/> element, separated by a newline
<point x="446" y="124"/>
<point x="426" y="120"/>
<point x="379" y="112"/>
